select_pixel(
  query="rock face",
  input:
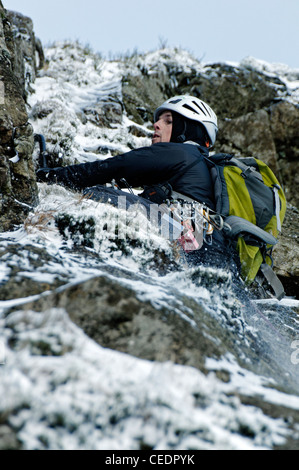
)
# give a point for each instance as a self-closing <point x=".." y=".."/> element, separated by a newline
<point x="116" y="318"/>
<point x="63" y="274"/>
<point x="257" y="117"/>
<point x="18" y="190"/>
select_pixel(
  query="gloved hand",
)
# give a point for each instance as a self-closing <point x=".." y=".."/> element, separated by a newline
<point x="46" y="175"/>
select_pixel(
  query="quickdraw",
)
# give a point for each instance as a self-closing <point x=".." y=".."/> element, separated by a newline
<point x="196" y="222"/>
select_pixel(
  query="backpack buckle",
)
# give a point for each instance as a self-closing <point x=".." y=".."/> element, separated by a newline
<point x="247" y="172"/>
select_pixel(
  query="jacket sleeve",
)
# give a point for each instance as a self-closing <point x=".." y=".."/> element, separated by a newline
<point x="144" y="166"/>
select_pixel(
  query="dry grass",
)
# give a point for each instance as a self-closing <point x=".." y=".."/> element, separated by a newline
<point x="40" y="220"/>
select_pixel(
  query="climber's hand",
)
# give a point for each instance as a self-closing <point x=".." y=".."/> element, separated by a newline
<point x="46" y="175"/>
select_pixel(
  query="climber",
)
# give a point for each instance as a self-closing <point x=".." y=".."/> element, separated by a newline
<point x="185" y="128"/>
<point x="189" y="121"/>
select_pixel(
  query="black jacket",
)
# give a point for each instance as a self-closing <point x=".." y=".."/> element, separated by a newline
<point x="146" y="166"/>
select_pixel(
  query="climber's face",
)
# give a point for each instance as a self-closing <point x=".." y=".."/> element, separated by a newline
<point x="163" y="128"/>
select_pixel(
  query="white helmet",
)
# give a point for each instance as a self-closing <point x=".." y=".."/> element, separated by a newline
<point x="192" y="108"/>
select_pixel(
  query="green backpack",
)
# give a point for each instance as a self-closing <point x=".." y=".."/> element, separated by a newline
<point x="253" y="205"/>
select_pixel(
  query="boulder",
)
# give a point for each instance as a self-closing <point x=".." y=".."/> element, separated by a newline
<point x="18" y="189"/>
<point x="141" y="95"/>
<point x="284" y="124"/>
<point x="249" y="135"/>
<point x="286" y="253"/>
<point x="231" y="91"/>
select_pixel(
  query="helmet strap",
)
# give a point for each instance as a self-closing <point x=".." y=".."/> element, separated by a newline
<point x="181" y="138"/>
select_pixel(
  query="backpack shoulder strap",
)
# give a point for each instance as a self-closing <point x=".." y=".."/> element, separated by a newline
<point x="247" y="170"/>
<point x="273" y="280"/>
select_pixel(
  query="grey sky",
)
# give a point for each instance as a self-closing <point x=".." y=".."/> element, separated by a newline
<point x="212" y="30"/>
